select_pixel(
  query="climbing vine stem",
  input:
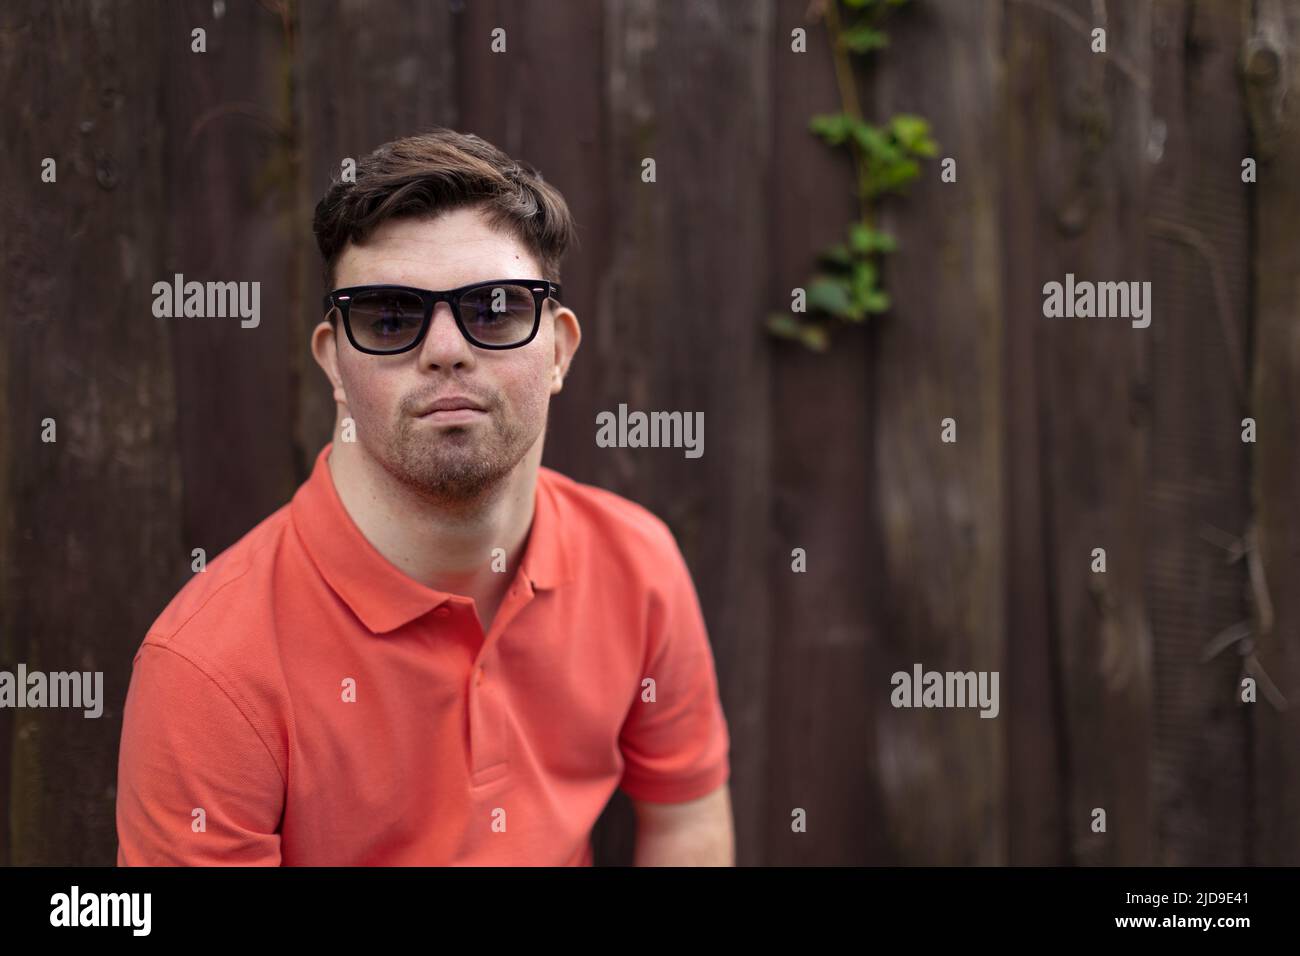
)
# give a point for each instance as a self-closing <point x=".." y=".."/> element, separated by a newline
<point x="846" y="288"/>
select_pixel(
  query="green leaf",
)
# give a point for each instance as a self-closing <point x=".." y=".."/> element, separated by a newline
<point x="891" y="176"/>
<point x="828" y="294"/>
<point x="864" y="275"/>
<point x="866" y="241"/>
<point x="924" y="145"/>
<point x="861" y="38"/>
<point x="812" y="335"/>
<point x="907" y="127"/>
<point x="927" y="148"/>
<point x="832" y="127"/>
<point x="863" y="286"/>
<point x="873" y="140"/>
<point x="785" y="326"/>
<point x="877" y="301"/>
<point x="815" y="337"/>
<point x="859" y="237"/>
<point x="913" y="133"/>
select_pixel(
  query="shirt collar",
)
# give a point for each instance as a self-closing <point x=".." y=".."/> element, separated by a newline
<point x="382" y="595"/>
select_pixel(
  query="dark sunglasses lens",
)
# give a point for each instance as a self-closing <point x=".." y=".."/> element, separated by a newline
<point x="385" y="319"/>
<point x="498" y="314"/>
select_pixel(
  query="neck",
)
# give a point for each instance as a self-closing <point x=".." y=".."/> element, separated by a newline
<point x="447" y="546"/>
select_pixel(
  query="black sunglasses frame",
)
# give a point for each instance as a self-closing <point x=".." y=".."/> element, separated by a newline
<point x="341" y="298"/>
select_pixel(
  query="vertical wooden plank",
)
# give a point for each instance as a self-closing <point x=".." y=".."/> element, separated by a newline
<point x="227" y="194"/>
<point x="1076" y="203"/>
<point x="1198" y="488"/>
<point x="1272" y="63"/>
<point x="822" y="734"/>
<point x="363" y="75"/>
<point x="937" y="356"/>
<point x="1037" y="751"/>
<point x="91" y="548"/>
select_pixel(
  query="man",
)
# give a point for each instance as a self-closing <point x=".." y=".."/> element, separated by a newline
<point x="439" y="652"/>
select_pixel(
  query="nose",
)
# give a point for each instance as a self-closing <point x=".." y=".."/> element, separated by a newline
<point x="443" y="345"/>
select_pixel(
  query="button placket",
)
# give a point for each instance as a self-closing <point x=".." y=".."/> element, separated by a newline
<point x="487" y="717"/>
<point x="482" y="718"/>
<point x="487" y="725"/>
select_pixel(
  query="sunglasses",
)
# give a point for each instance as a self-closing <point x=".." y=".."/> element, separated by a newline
<point x="388" y="319"/>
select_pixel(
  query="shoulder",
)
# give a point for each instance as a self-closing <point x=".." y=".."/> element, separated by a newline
<point x="609" y="522"/>
<point x="220" y="620"/>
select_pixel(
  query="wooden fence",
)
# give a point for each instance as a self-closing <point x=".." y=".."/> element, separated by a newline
<point x="973" y="555"/>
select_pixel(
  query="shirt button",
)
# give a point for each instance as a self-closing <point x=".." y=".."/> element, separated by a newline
<point x="442" y="612"/>
<point x="479" y="680"/>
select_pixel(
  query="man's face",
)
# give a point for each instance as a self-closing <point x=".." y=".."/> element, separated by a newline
<point x="453" y="456"/>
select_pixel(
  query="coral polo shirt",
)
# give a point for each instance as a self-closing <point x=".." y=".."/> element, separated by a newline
<point x="304" y="702"/>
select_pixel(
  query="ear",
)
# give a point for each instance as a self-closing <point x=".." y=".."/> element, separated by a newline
<point x="567" y="336"/>
<point x="324" y="348"/>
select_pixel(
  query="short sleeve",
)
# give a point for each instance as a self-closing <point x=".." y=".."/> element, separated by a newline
<point x="676" y="747"/>
<point x="187" y="746"/>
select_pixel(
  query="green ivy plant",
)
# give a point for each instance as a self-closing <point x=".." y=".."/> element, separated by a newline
<point x="846" y="288"/>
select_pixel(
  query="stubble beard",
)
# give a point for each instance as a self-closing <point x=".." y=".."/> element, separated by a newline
<point x="457" y="465"/>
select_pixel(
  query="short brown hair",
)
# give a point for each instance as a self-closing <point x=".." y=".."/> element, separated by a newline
<point x="434" y="172"/>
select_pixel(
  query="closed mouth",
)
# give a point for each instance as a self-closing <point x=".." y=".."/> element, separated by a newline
<point x="451" y="405"/>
